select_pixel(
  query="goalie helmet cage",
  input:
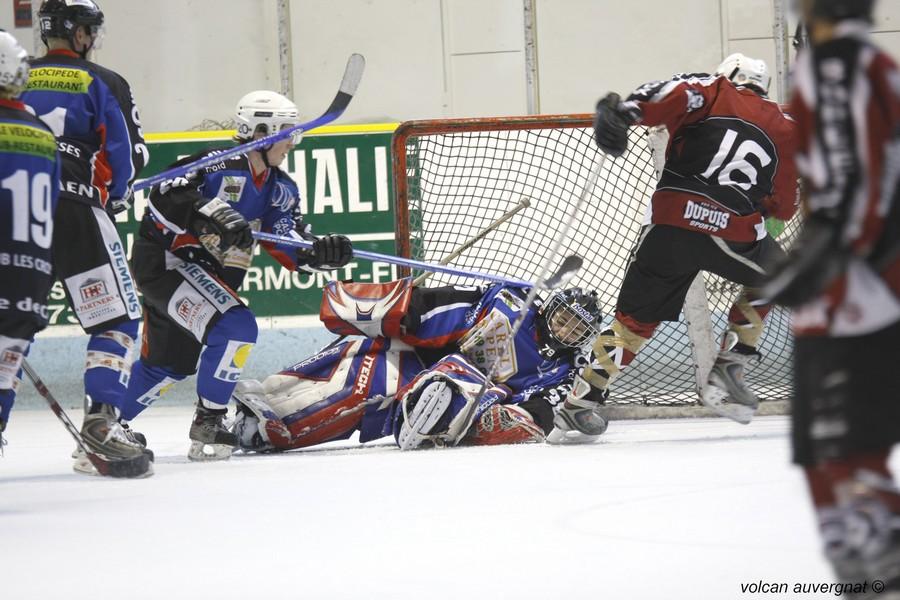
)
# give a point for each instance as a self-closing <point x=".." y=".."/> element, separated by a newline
<point x="454" y="176"/>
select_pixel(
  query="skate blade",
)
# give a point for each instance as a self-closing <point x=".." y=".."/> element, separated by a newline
<point x="714" y="398"/>
<point x="558" y="437"/>
<point x="202" y="452"/>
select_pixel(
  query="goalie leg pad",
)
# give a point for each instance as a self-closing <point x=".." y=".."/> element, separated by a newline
<point x="367" y="309"/>
<point x="257" y="426"/>
<point x="505" y="424"/>
<point x="320" y="399"/>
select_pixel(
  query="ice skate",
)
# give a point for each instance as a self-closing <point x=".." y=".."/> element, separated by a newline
<point x="725" y="391"/>
<point x="210" y="438"/>
<point x="105" y="435"/>
<point x="578" y="421"/>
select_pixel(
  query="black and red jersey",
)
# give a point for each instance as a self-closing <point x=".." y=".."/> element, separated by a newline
<point x="847" y="106"/>
<point x="728" y="161"/>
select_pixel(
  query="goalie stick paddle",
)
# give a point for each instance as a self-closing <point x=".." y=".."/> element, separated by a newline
<point x="352" y="76"/>
<point x="129" y="467"/>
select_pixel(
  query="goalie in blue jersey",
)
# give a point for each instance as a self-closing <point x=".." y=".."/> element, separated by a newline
<point x="417" y="371"/>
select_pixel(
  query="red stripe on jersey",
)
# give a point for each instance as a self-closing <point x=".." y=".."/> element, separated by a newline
<point x="282" y="257"/>
<point x="101" y="175"/>
<point x="12" y="104"/>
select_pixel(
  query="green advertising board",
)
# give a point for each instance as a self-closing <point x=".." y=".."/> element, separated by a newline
<point x="344" y="176"/>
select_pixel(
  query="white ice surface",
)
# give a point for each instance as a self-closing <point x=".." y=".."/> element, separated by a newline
<point x="682" y="509"/>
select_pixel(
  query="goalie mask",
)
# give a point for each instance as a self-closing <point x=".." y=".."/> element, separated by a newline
<point x="746" y="71"/>
<point x="265" y="112"/>
<point x="61" y="18"/>
<point x="568" y="321"/>
<point x="13" y="66"/>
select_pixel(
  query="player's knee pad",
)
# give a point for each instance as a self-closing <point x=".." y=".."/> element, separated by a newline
<point x="615" y="348"/>
<point x="369" y="309"/>
<point x="440" y="404"/>
<point x="108" y="364"/>
<point x="12" y="353"/>
<point x="746" y="318"/>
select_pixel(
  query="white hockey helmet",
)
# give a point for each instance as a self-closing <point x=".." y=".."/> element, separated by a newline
<point x="266" y="112"/>
<point x="13" y="66"/>
<point x="743" y="70"/>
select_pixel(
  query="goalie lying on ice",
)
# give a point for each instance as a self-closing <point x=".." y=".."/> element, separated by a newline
<point x="417" y="371"/>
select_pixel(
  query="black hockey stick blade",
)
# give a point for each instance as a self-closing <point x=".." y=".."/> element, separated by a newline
<point x="564" y="273"/>
<point x="138" y="466"/>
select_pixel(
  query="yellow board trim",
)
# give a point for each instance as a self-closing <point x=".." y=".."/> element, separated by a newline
<point x="200" y="136"/>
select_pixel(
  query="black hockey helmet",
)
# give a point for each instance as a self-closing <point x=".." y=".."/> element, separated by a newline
<point x="567" y="321"/>
<point x="838" y="10"/>
<point x="61" y="18"/>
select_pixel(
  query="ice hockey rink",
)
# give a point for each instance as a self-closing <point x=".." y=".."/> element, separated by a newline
<point x="675" y="509"/>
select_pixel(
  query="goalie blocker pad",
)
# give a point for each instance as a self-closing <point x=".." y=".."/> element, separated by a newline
<point x="367" y="309"/>
<point x="448" y="418"/>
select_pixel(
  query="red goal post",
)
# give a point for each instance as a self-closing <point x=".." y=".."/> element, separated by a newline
<point x="454" y="177"/>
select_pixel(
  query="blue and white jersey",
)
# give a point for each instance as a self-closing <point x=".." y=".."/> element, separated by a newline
<point x="268" y="201"/>
<point x="91" y="111"/>
<point x="29" y="187"/>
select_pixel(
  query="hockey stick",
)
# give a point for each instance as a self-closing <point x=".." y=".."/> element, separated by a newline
<point x="398" y="260"/>
<point x="563" y="274"/>
<point x="352" y="76"/>
<point x="524" y="203"/>
<point x="127" y="467"/>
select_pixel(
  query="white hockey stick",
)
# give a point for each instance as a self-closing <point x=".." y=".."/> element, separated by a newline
<point x="524" y="203"/>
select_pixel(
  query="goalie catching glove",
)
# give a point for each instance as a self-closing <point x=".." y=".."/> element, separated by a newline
<point x="611" y="123"/>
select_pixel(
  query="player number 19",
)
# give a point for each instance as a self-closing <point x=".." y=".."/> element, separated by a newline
<point x="30" y="200"/>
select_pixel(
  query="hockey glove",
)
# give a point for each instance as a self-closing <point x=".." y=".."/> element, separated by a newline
<point x="117" y="205"/>
<point x="611" y="123"/>
<point x="216" y="218"/>
<point x="330" y="252"/>
<point x="817" y="259"/>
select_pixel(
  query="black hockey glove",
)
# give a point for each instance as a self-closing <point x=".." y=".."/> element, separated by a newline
<point x="817" y="259"/>
<point x="330" y="252"/>
<point x="611" y="123"/>
<point x="117" y="205"/>
<point x="216" y="217"/>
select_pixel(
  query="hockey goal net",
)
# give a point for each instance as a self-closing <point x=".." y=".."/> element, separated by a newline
<point x="453" y="178"/>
